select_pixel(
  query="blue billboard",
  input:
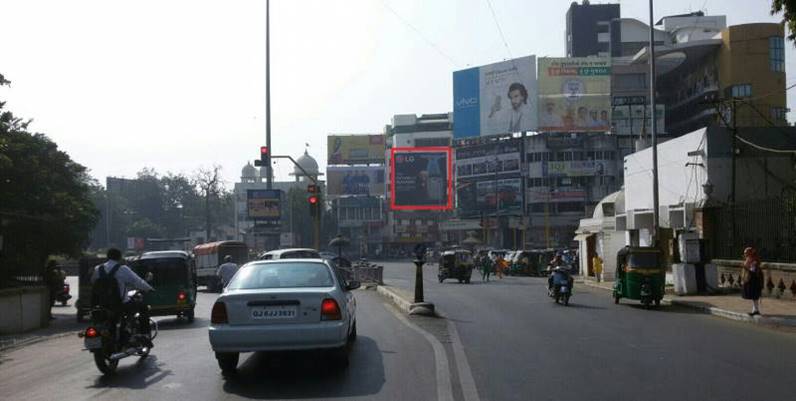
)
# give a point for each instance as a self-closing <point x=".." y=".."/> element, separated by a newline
<point x="495" y="99"/>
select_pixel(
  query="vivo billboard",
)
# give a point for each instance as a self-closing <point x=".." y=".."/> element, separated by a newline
<point x="495" y="99"/>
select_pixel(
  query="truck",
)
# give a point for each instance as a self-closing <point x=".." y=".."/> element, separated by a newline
<point x="211" y="255"/>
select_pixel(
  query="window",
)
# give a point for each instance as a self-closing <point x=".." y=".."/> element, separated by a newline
<point x="567" y="156"/>
<point x="776" y="53"/>
<point x="744" y="90"/>
<point x="536" y="208"/>
<point x="778" y="114"/>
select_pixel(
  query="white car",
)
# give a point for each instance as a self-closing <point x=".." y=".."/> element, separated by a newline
<point x="284" y="305"/>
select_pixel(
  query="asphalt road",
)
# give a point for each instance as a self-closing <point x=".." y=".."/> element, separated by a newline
<point x="522" y="346"/>
<point x="389" y="361"/>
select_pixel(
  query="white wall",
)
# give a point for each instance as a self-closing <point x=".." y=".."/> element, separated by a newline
<point x="677" y="182"/>
<point x="634" y="30"/>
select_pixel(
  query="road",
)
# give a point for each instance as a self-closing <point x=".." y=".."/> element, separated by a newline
<point x="389" y="361"/>
<point x="522" y="346"/>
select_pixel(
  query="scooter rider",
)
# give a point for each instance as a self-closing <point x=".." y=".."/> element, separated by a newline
<point x="127" y="280"/>
<point x="557" y="264"/>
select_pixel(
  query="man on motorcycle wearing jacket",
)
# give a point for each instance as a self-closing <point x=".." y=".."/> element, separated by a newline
<point x="556" y="263"/>
<point x="127" y="280"/>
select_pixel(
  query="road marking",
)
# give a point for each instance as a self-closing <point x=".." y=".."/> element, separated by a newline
<point x="466" y="381"/>
<point x="444" y="385"/>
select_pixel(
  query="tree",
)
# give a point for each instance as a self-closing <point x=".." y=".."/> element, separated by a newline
<point x="209" y="182"/>
<point x="788" y="10"/>
<point x="45" y="198"/>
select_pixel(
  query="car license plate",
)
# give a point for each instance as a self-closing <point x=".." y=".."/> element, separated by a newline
<point x="564" y="288"/>
<point x="274" y="312"/>
<point x="93" y="343"/>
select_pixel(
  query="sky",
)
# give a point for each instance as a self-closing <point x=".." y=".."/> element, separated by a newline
<point x="176" y="85"/>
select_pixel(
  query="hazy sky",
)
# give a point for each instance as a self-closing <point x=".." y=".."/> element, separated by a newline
<point x="176" y="85"/>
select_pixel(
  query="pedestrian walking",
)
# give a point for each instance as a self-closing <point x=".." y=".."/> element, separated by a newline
<point x="227" y="270"/>
<point x="597" y="266"/>
<point x="486" y="268"/>
<point x="500" y="267"/>
<point x="54" y="278"/>
<point x="752" y="279"/>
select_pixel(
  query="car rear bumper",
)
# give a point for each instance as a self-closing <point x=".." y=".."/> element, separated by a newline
<point x="282" y="337"/>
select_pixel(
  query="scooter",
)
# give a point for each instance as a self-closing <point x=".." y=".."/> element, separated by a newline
<point x="561" y="289"/>
<point x="63" y="295"/>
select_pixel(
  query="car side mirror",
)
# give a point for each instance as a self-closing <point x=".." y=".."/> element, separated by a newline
<point x="149" y="277"/>
<point x="352" y="285"/>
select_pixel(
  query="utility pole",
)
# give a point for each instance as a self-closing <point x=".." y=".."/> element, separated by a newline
<point x="497" y="202"/>
<point x="269" y="176"/>
<point x="734" y="131"/>
<point x="655" y="199"/>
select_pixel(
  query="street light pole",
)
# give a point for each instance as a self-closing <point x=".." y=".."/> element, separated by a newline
<point x="653" y="124"/>
<point x="269" y="176"/>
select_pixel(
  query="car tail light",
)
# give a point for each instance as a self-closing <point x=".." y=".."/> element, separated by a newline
<point x="66" y="287"/>
<point x="181" y="296"/>
<point x="330" y="310"/>
<point x="91" y="332"/>
<point x="219" y="313"/>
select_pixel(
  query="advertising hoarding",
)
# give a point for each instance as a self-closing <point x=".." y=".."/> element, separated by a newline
<point x="484" y="159"/>
<point x="509" y="194"/>
<point x="574" y="168"/>
<point x="355" y="149"/>
<point x="635" y="119"/>
<point x="351" y="180"/>
<point x="263" y="205"/>
<point x="421" y="178"/>
<point x="498" y="98"/>
<point x="574" y="94"/>
<point x="563" y="194"/>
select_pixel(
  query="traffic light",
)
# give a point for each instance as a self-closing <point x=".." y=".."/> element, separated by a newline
<point x="315" y="204"/>
<point x="265" y="157"/>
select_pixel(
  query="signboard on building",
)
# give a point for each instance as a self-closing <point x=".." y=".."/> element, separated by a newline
<point x="498" y="98"/>
<point x="574" y="168"/>
<point x="574" y="94"/>
<point x="355" y="149"/>
<point x="509" y="195"/>
<point x="263" y="205"/>
<point x="421" y="178"/>
<point x="482" y="160"/>
<point x="355" y="180"/>
<point x="559" y="195"/>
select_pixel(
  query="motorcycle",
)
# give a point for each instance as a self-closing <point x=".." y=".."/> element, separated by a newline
<point x="111" y="340"/>
<point x="63" y="295"/>
<point x="561" y="289"/>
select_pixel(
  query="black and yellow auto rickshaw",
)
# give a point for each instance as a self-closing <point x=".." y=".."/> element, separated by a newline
<point x="456" y="264"/>
<point x="174" y="280"/>
<point x="640" y="275"/>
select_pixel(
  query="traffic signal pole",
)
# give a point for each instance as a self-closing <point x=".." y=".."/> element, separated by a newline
<point x="269" y="177"/>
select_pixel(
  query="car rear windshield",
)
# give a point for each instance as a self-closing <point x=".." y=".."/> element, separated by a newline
<point x="300" y="255"/>
<point x="282" y="275"/>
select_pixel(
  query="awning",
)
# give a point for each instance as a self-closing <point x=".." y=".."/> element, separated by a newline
<point x="582" y="237"/>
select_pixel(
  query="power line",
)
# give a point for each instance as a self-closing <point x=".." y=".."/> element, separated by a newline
<point x="420" y="34"/>
<point x="500" y="30"/>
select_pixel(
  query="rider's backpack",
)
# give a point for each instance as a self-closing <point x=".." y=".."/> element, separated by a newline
<point x="105" y="290"/>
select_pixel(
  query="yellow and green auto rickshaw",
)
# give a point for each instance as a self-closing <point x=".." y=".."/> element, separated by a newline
<point x="456" y="264"/>
<point x="174" y="280"/>
<point x="640" y="275"/>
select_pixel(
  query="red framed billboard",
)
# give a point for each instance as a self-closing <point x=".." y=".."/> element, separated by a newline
<point x="421" y="178"/>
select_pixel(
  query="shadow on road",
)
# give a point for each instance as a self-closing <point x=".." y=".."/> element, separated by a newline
<point x="141" y="374"/>
<point x="181" y="323"/>
<point x="298" y="375"/>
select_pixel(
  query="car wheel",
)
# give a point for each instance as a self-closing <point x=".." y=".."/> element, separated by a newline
<point x="228" y="362"/>
<point x="352" y="336"/>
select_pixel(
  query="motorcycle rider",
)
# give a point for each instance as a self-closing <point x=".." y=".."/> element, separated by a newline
<point x="127" y="280"/>
<point x="557" y="264"/>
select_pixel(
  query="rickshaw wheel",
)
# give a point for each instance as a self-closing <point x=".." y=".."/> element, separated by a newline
<point x="616" y="300"/>
<point x="441" y="280"/>
<point x="467" y="280"/>
<point x="189" y="316"/>
<point x="657" y="302"/>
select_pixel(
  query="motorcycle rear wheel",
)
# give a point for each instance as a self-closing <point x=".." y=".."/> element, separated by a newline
<point x="566" y="300"/>
<point x="105" y="365"/>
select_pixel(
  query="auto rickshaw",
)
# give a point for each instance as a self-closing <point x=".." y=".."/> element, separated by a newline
<point x="456" y="263"/>
<point x="174" y="280"/>
<point x="640" y="275"/>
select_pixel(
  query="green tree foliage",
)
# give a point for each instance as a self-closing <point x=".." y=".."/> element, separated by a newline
<point x="788" y="10"/>
<point x="46" y="203"/>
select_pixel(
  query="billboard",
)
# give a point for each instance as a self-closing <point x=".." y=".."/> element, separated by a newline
<point x="421" y="178"/>
<point x="350" y="180"/>
<point x="575" y="94"/>
<point x="485" y="159"/>
<point x="574" y="168"/>
<point x="498" y="98"/>
<point x="509" y="194"/>
<point x="355" y="149"/>
<point x="263" y="205"/>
